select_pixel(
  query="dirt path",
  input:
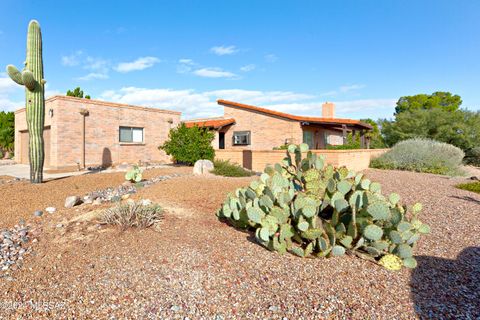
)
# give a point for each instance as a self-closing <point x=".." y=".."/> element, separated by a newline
<point x="196" y="266"/>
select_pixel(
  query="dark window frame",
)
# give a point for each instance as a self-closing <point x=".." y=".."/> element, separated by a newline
<point x="246" y="134"/>
<point x="131" y="129"/>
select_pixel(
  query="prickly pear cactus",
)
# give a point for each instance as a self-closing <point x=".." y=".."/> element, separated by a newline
<point x="307" y="208"/>
<point x="32" y="78"/>
<point x="134" y="174"/>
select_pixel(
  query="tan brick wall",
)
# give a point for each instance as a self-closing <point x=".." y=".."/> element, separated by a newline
<point x="267" y="131"/>
<point x="102" y="132"/>
<point x="257" y="160"/>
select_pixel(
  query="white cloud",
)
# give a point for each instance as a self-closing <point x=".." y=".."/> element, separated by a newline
<point x="223" y="50"/>
<point x="248" y="67"/>
<point x="270" y="57"/>
<point x="352" y="87"/>
<point x="72" y="59"/>
<point x="343" y="89"/>
<point x="93" y="76"/>
<point x="195" y="104"/>
<point x="186" y="61"/>
<point x="139" y="64"/>
<point x="214" y="73"/>
<point x="9" y="90"/>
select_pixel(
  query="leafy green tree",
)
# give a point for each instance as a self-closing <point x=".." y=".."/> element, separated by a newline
<point x="7" y="131"/>
<point x="459" y="127"/>
<point x="78" y="93"/>
<point x="187" y="145"/>
<point x="437" y="100"/>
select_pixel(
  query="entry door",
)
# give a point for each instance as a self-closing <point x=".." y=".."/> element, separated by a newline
<point x="308" y="139"/>
<point x="221" y="140"/>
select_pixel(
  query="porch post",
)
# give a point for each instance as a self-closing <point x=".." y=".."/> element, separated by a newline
<point x="344" y="133"/>
<point x="362" y="139"/>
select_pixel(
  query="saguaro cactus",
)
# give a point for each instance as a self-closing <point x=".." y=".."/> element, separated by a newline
<point x="32" y="78"/>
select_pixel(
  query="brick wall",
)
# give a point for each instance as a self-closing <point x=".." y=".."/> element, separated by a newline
<point x="266" y="131"/>
<point x="257" y="160"/>
<point x="102" y="144"/>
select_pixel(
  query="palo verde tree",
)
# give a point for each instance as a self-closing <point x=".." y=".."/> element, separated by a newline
<point x="32" y="78"/>
<point x="78" y="93"/>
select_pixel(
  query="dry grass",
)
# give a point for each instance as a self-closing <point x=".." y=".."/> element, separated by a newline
<point x="132" y="214"/>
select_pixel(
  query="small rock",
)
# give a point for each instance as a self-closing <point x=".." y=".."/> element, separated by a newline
<point x="175" y="308"/>
<point x="146" y="202"/>
<point x="60" y="225"/>
<point x="72" y="201"/>
<point x="87" y="199"/>
<point x="38" y="213"/>
<point x="125" y="196"/>
<point x="97" y="201"/>
<point x="50" y="209"/>
<point x="273" y="308"/>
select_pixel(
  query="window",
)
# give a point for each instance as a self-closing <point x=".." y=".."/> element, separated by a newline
<point x="130" y="134"/>
<point x="241" y="138"/>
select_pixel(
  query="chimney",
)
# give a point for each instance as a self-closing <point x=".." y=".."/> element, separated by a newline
<point x="328" y="110"/>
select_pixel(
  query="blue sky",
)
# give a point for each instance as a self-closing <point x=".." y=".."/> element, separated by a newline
<point x="286" y="55"/>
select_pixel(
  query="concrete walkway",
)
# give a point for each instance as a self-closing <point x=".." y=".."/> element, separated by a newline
<point x="22" y="171"/>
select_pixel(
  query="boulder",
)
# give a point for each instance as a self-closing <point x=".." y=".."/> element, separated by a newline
<point x="202" y="167"/>
<point x="72" y="201"/>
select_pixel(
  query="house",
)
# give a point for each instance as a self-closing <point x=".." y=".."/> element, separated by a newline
<point x="247" y="127"/>
<point x="81" y="132"/>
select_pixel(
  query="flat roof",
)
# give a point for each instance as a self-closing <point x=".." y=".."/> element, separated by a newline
<point x="106" y="104"/>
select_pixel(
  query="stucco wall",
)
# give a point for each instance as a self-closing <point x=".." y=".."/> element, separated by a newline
<point x="257" y="160"/>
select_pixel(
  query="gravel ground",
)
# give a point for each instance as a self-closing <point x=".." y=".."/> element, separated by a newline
<point x="198" y="268"/>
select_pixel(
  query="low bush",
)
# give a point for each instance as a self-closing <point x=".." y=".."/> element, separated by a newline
<point x="227" y="169"/>
<point x="421" y="155"/>
<point x="187" y="145"/>
<point x="472" y="157"/>
<point x="314" y="210"/>
<point x="132" y="214"/>
<point x="472" y="186"/>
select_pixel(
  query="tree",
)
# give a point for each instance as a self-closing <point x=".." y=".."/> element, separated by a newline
<point x="459" y="127"/>
<point x="187" y="145"/>
<point x="78" y="93"/>
<point x="376" y="138"/>
<point x="7" y="131"/>
<point x="437" y="100"/>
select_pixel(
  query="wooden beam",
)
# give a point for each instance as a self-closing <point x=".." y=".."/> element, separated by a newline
<point x="344" y="133"/>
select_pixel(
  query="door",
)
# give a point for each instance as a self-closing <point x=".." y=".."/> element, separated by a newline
<point x="24" y="138"/>
<point x="308" y="139"/>
<point x="221" y="140"/>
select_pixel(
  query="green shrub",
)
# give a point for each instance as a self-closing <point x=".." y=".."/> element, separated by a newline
<point x="472" y="157"/>
<point x="472" y="186"/>
<point x="187" y="145"/>
<point x="134" y="174"/>
<point x="227" y="169"/>
<point x="421" y="155"/>
<point x="132" y="214"/>
<point x="282" y="147"/>
<point x="306" y="208"/>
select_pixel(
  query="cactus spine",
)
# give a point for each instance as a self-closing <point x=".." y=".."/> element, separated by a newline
<point x="32" y="78"/>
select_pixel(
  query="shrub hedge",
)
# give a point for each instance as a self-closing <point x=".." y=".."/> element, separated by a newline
<point x="227" y="169"/>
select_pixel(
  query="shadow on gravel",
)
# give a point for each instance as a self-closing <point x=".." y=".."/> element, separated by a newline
<point x="447" y="289"/>
<point x="467" y="198"/>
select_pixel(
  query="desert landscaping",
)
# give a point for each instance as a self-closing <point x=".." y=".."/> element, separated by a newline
<point x="192" y="265"/>
<point x="224" y="160"/>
